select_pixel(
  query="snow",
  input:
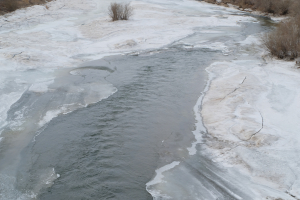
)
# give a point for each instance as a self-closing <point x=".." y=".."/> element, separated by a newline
<point x="69" y="33"/>
<point x="159" y="176"/>
<point x="41" y="85"/>
<point x="252" y="109"/>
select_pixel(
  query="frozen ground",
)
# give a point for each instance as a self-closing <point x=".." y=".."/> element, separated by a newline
<point x="251" y="113"/>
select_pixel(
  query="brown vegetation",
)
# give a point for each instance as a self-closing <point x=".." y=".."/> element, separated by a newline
<point x="118" y="11"/>
<point x="280" y="7"/>
<point x="284" y="41"/>
<point x="9" y="5"/>
<point x="12" y="5"/>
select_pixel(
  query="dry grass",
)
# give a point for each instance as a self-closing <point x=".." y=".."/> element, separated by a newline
<point x="284" y="41"/>
<point x="7" y="6"/>
<point x="118" y="11"/>
<point x="279" y="7"/>
<point x="295" y="8"/>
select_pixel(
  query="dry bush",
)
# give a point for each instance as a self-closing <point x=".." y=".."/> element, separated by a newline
<point x="294" y="8"/>
<point x="283" y="7"/>
<point x="9" y="5"/>
<point x="114" y="11"/>
<point x="244" y="3"/>
<point x="118" y="11"/>
<point x="264" y="6"/>
<point x="127" y="12"/>
<point x="279" y="7"/>
<point x="284" y="41"/>
<point x="211" y="1"/>
<point x="12" y="5"/>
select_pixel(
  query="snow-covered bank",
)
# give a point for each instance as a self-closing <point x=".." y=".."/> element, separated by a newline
<point x="251" y="113"/>
<point x="69" y="33"/>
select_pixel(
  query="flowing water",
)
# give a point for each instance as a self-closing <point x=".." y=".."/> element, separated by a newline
<point x="110" y="149"/>
<point x="101" y="129"/>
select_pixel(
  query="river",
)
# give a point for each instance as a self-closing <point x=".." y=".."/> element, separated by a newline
<point x="99" y="128"/>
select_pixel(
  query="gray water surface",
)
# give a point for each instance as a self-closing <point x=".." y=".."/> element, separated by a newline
<point x="110" y="149"/>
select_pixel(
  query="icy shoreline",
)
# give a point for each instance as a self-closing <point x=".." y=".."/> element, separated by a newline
<point x="250" y="112"/>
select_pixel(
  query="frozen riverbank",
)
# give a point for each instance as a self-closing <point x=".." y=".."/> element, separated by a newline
<point x="251" y="113"/>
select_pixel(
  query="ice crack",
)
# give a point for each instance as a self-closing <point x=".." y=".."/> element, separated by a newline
<point x="235" y="88"/>
<point x="292" y="195"/>
<point x="262" y="126"/>
<point x="291" y="187"/>
<point x="16" y="54"/>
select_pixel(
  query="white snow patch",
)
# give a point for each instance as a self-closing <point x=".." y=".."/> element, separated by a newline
<point x="158" y="178"/>
<point x="41" y="85"/>
<point x="50" y="115"/>
<point x="251" y="40"/>
<point x="254" y="111"/>
<point x="200" y="129"/>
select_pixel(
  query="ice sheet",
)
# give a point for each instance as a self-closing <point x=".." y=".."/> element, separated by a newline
<point x="251" y="110"/>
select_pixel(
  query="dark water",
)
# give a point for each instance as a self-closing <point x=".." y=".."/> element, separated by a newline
<point x="110" y="149"/>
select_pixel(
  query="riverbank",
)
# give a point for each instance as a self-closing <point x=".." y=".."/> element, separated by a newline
<point x="283" y="41"/>
<point x="251" y="113"/>
<point x="267" y="7"/>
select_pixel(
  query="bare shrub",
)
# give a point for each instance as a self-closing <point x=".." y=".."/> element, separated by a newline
<point x="294" y="8"/>
<point x="283" y="7"/>
<point x="284" y="41"/>
<point x="264" y="6"/>
<point x="118" y="11"/>
<point x="127" y="12"/>
<point x="211" y="1"/>
<point x="10" y="5"/>
<point x="279" y="7"/>
<point x="244" y="3"/>
<point x="114" y="11"/>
